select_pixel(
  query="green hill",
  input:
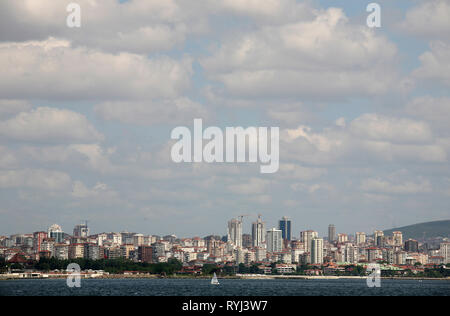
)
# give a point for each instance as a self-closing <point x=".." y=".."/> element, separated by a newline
<point x="417" y="231"/>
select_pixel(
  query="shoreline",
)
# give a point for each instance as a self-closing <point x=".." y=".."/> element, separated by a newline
<point x="6" y="277"/>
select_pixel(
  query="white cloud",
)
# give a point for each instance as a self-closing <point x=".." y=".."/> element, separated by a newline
<point x="7" y="158"/>
<point x="294" y="171"/>
<point x="269" y="11"/>
<point x="396" y="130"/>
<point x="370" y="137"/>
<point x="429" y="19"/>
<point x="435" y="64"/>
<point x="312" y="188"/>
<point x="254" y="186"/>
<point x="174" y="111"/>
<point x="46" y="124"/>
<point x="324" y="58"/>
<point x="38" y="179"/>
<point x="79" y="190"/>
<point x="9" y="108"/>
<point x="139" y="26"/>
<point x="435" y="110"/>
<point x="378" y="185"/>
<point x="52" y="69"/>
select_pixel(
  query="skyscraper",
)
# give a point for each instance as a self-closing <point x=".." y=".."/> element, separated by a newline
<point x="445" y="251"/>
<point x="306" y="237"/>
<point x="246" y="241"/>
<point x="331" y="233"/>
<point x="342" y="238"/>
<point x="145" y="254"/>
<point x="274" y="240"/>
<point x="38" y="238"/>
<point x="235" y="232"/>
<point x="56" y="232"/>
<point x="317" y="251"/>
<point x="378" y="237"/>
<point x="411" y="245"/>
<point x="285" y="227"/>
<point x="258" y="233"/>
<point x="360" y="238"/>
<point x="397" y="238"/>
<point x="81" y="230"/>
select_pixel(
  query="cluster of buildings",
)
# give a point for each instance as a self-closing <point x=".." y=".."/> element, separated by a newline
<point x="262" y="247"/>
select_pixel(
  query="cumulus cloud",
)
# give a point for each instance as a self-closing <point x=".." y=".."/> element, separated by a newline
<point x="38" y="179"/>
<point x="312" y="188"/>
<point x="138" y="26"/>
<point x="379" y="185"/>
<point x="435" y="110"/>
<point x="429" y="19"/>
<point x="7" y="158"/>
<point x="396" y="130"/>
<point x="52" y="69"/>
<point x="174" y="111"/>
<point x="79" y="190"/>
<point x="11" y="107"/>
<point x="270" y="11"/>
<point x="435" y="64"/>
<point x="370" y="137"/>
<point x="324" y="58"/>
<point x="288" y="63"/>
<point x="254" y="186"/>
<point x="48" y="125"/>
<point x="294" y="171"/>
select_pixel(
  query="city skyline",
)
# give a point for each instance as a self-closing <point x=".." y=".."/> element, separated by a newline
<point x="86" y="113"/>
<point x="237" y="248"/>
<point x="234" y="225"/>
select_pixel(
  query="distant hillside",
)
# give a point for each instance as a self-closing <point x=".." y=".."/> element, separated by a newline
<point x="416" y="231"/>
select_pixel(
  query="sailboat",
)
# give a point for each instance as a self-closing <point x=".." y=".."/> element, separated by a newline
<point x="214" y="280"/>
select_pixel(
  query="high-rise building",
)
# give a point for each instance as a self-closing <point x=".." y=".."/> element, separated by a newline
<point x="138" y="240"/>
<point x="76" y="251"/>
<point x="397" y="238"/>
<point x="61" y="251"/>
<point x="56" y="232"/>
<point x="445" y="251"/>
<point x="258" y="233"/>
<point x="372" y="253"/>
<point x="260" y="254"/>
<point x="274" y="240"/>
<point x="38" y="238"/>
<point x="350" y="253"/>
<point x="91" y="251"/>
<point x="235" y="232"/>
<point x="342" y="238"/>
<point x="360" y="238"/>
<point x="331" y="233"/>
<point x="378" y="237"/>
<point x="306" y="237"/>
<point x="285" y="227"/>
<point x="145" y="254"/>
<point x="411" y="245"/>
<point x="246" y="240"/>
<point x="317" y="250"/>
<point x="81" y="230"/>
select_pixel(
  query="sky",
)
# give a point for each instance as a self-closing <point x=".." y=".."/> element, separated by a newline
<point x="86" y="113"/>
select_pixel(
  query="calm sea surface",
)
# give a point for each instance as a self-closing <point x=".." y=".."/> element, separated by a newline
<point x="227" y="287"/>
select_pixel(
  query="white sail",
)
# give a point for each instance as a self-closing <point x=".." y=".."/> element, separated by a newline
<point x="214" y="279"/>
